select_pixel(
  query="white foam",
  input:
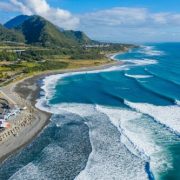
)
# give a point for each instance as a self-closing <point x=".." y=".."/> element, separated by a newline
<point x="139" y="139"/>
<point x="141" y="146"/>
<point x="138" y="76"/>
<point x="131" y="135"/>
<point x="30" y="171"/>
<point x="177" y="102"/>
<point x="166" y="115"/>
<point x="50" y="82"/>
<point x="123" y="120"/>
<point x="101" y="165"/>
<point x="133" y="140"/>
<point x="120" y="118"/>
<point x="65" y="108"/>
<point x="98" y="162"/>
<point x="109" y="158"/>
<point x="150" y="51"/>
<point x="37" y="169"/>
<point x="141" y="62"/>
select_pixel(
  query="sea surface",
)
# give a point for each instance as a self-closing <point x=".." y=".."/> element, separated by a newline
<point x="114" y="124"/>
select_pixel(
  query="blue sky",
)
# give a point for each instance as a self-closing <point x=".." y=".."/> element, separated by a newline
<point x="106" y="20"/>
<point x="80" y="6"/>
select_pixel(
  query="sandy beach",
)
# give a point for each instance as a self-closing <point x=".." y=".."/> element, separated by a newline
<point x="24" y="126"/>
<point x="30" y="122"/>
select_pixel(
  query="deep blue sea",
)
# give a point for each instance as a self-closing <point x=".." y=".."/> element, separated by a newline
<point x="113" y="124"/>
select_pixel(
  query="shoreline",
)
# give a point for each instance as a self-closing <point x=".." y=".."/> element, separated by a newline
<point x="25" y="127"/>
<point x="25" y="93"/>
<point x="113" y="55"/>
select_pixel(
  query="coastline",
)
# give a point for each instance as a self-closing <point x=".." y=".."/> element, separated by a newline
<point x="25" y="93"/>
<point x="113" y="55"/>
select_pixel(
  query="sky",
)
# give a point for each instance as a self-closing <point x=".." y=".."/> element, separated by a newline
<point x="105" y="20"/>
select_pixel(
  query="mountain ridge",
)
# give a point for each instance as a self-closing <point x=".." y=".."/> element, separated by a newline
<point x="37" y="30"/>
<point x="16" y="21"/>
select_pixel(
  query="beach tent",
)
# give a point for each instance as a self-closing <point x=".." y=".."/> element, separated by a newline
<point x="5" y="124"/>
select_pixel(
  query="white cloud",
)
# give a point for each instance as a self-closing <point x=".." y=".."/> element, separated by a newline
<point x="21" y="7"/>
<point x="117" y="24"/>
<point x="7" y="6"/>
<point x="160" y="18"/>
<point x="129" y="17"/>
<point x="130" y="24"/>
<point x="117" y="16"/>
<point x="60" y="17"/>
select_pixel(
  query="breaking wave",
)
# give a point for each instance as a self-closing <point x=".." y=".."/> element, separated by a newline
<point x="150" y="51"/>
<point x="110" y="156"/>
<point x="166" y="115"/>
<point x="141" y="62"/>
<point x="138" y="76"/>
<point x="177" y="102"/>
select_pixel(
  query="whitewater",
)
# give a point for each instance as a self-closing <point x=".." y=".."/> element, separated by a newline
<point x="117" y="123"/>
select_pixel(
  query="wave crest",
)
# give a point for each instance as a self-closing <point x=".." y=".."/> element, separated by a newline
<point x="151" y="51"/>
<point x="141" y="62"/>
<point x="138" y="76"/>
<point x="166" y="115"/>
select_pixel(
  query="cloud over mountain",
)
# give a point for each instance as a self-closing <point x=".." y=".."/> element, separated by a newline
<point x="118" y="23"/>
<point x="58" y="16"/>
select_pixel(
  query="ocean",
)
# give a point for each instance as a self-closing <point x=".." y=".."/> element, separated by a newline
<point x="113" y="124"/>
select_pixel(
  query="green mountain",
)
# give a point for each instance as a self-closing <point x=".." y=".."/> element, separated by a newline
<point x="10" y="35"/>
<point x="38" y="30"/>
<point x="78" y="36"/>
<point x="18" y="20"/>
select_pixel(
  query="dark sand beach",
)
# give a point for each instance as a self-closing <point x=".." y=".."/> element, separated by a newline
<point x="29" y="123"/>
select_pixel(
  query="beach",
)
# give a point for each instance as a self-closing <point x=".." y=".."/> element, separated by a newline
<point x="30" y="122"/>
<point x="96" y="120"/>
<point x="25" y="126"/>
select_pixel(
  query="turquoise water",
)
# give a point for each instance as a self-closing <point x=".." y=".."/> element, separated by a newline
<point x="118" y="123"/>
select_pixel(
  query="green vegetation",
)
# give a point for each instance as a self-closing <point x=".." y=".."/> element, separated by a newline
<point x="78" y="36"/>
<point x="35" y="45"/>
<point x="14" y="65"/>
<point x="36" y="53"/>
<point x="8" y="56"/>
<point x="17" y="61"/>
<point x="39" y="31"/>
<point x="10" y="35"/>
<point x="36" y="30"/>
<point x="43" y="66"/>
